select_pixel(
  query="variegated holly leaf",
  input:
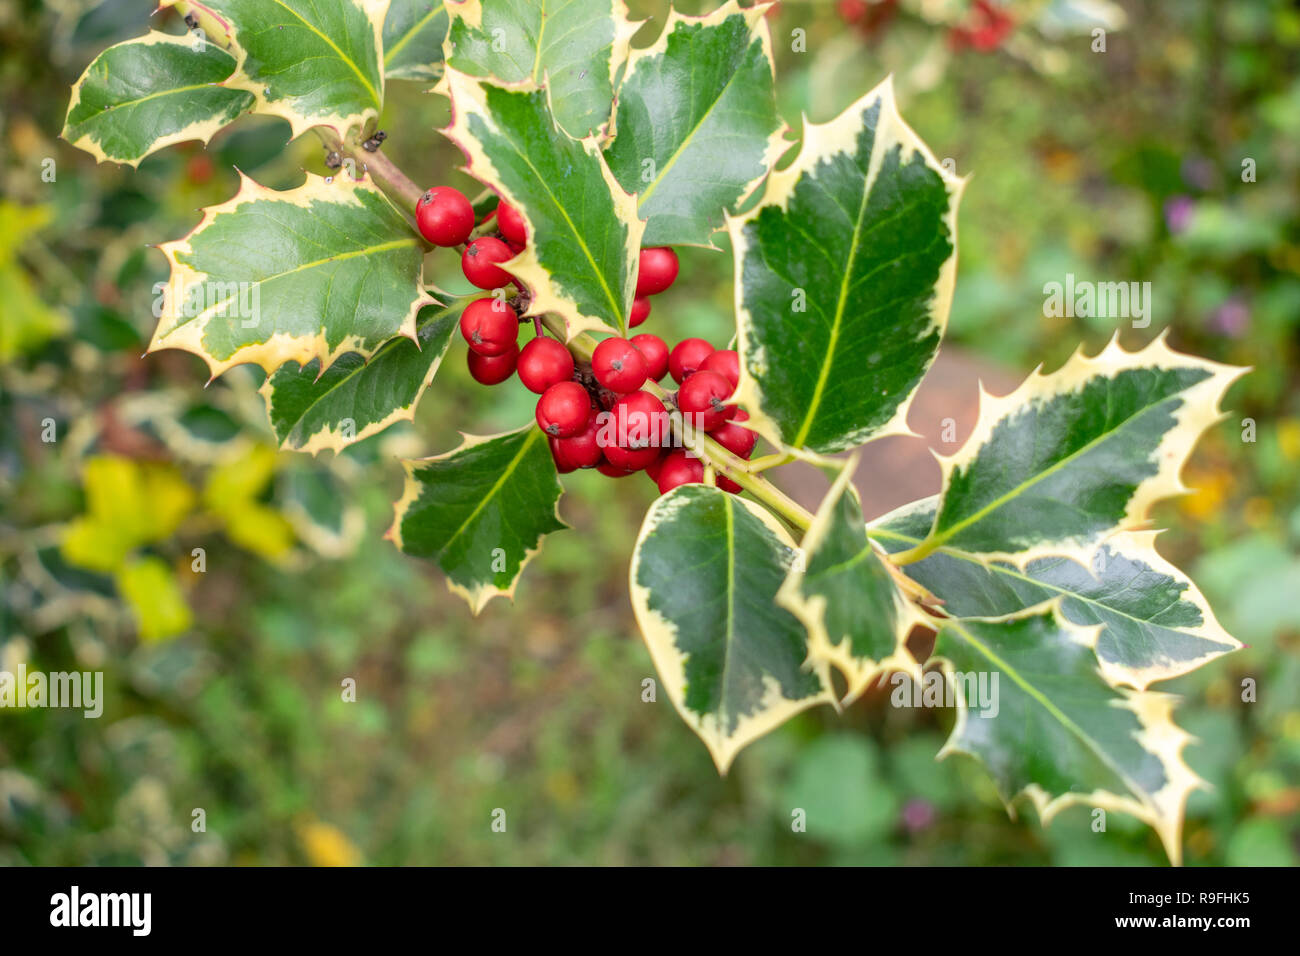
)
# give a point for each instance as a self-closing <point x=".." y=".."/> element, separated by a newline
<point x="696" y="127"/>
<point x="845" y="592"/>
<point x="306" y="274"/>
<point x="1069" y="458"/>
<point x="151" y="92"/>
<point x="322" y="509"/>
<point x="705" y="573"/>
<point x="585" y="237"/>
<point x="311" y="62"/>
<point x="1155" y="622"/>
<point x="844" y="276"/>
<point x="573" y="47"/>
<point x="480" y="511"/>
<point x="355" y="398"/>
<point x="413" y="34"/>
<point x="1032" y="706"/>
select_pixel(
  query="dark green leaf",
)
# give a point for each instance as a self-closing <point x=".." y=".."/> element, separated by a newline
<point x="142" y="95"/>
<point x="355" y="399"/>
<point x="844" y="277"/>
<point x="705" y="573"/>
<point x="480" y="511"/>
<point x="307" y="274"/>
<point x="696" y="127"/>
<point x="413" y="35"/>
<point x="585" y="237"/>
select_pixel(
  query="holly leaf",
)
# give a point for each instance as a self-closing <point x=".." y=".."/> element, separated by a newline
<point x="1069" y="458"/>
<point x="480" y="511"/>
<point x="1033" y="707"/>
<point x="846" y="595"/>
<point x="1155" y="623"/>
<point x="144" y="94"/>
<point x="705" y="572"/>
<point x="573" y="47"/>
<point x="321" y="508"/>
<point x="414" y="31"/>
<point x="585" y="237"/>
<point x="354" y="398"/>
<point x="306" y="274"/>
<point x="844" y="275"/>
<point x="311" y="62"/>
<point x="696" y="122"/>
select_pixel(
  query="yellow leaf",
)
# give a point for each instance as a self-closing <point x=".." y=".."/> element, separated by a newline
<point x="261" y="530"/>
<point x="231" y="494"/>
<point x="327" y="845"/>
<point x="96" y="545"/>
<point x="28" y="321"/>
<point x="153" y="593"/>
<point x="128" y="503"/>
<point x="231" y="485"/>
<point x="17" y="223"/>
<point x="1288" y="439"/>
<point x="1209" y="491"/>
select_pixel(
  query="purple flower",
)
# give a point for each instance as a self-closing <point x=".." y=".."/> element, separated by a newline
<point x="918" y="815"/>
<point x="1178" y="213"/>
<point x="1231" y="319"/>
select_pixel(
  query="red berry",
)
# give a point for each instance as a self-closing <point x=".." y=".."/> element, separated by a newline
<point x="657" y="270"/>
<point x="444" y="216"/>
<point x="490" y="327"/>
<point x="640" y="311"/>
<point x="655" y="352"/>
<point x="618" y="365"/>
<point x="679" y="468"/>
<point x="686" y="358"/>
<point x="492" y="369"/>
<point x="479" y="262"/>
<point x="704" y="394"/>
<point x="511" y="223"/>
<point x="581" y="450"/>
<point x="562" y="463"/>
<point x="726" y="362"/>
<point x="612" y="471"/>
<point x="737" y="439"/>
<point x="726" y="484"/>
<point x="739" y="415"/>
<point x="631" y="459"/>
<point x="638" y="420"/>
<point x="564" y="410"/>
<point x="544" y="362"/>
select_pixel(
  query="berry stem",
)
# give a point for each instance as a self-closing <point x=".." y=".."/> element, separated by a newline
<point x="773" y="460"/>
<point x="384" y="172"/>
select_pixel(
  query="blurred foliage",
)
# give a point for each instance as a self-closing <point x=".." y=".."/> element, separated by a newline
<point x="225" y="674"/>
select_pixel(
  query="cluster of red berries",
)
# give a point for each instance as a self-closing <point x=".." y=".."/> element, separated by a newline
<point x="595" y="415"/>
<point x="988" y="25"/>
<point x="870" y="17"/>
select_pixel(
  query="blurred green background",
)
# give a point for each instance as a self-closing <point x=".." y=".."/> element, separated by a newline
<point x="223" y="684"/>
